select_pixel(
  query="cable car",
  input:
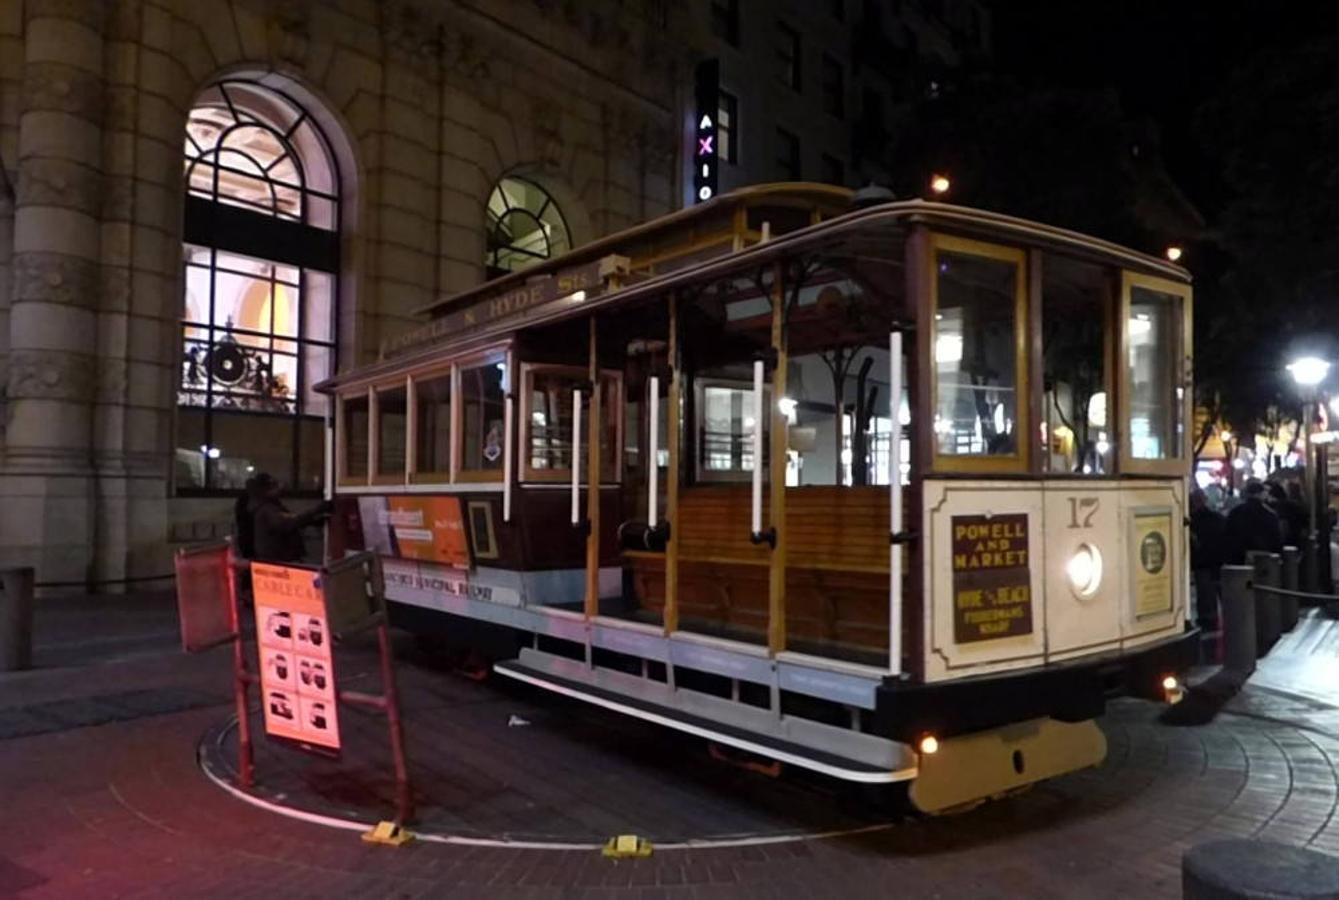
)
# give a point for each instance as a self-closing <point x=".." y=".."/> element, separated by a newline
<point x="892" y="492"/>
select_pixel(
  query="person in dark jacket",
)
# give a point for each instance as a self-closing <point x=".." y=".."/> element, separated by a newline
<point x="1252" y="525"/>
<point x="278" y="532"/>
<point x="1208" y="552"/>
<point x="244" y="525"/>
<point x="1292" y="515"/>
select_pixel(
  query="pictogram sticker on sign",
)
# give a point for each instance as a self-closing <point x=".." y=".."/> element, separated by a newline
<point x="297" y="675"/>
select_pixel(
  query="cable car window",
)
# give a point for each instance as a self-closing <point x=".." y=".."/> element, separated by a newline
<point x="725" y="427"/>
<point x="546" y="442"/>
<point x="481" y="421"/>
<point x="976" y="355"/>
<point x="354" y="446"/>
<point x="1155" y="395"/>
<point x="392" y="421"/>
<point x="1076" y="376"/>
<point x="432" y="426"/>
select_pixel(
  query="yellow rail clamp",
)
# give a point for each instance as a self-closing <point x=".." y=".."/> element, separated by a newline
<point x="627" y="846"/>
<point x="388" y="833"/>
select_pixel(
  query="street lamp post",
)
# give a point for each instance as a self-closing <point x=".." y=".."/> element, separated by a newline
<point x="1309" y="372"/>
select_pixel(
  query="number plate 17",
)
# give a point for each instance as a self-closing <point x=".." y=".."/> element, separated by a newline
<point x="1082" y="510"/>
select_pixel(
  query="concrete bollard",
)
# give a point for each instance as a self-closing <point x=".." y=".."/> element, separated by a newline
<point x="1292" y="563"/>
<point x="1265" y="571"/>
<point x="16" y="619"/>
<point x="1238" y="608"/>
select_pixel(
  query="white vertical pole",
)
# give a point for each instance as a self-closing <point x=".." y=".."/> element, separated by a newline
<point x="507" y="433"/>
<point x="330" y="449"/>
<point x="895" y="503"/>
<point x="410" y="429"/>
<point x="576" y="456"/>
<point x="758" y="462"/>
<point x="652" y="453"/>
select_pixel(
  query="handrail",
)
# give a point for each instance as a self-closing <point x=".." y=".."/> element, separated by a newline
<point x="758" y="412"/>
<point x="895" y="503"/>
<point x="652" y="451"/>
<point x="576" y="456"/>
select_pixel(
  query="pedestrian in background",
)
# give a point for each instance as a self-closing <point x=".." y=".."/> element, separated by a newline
<point x="278" y="532"/>
<point x="1291" y="513"/>
<point x="1252" y="525"/>
<point x="1208" y="553"/>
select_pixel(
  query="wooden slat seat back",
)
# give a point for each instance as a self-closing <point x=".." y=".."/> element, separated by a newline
<point x="828" y="527"/>
<point x="836" y="571"/>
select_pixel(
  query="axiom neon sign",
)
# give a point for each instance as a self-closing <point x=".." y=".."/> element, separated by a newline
<point x="705" y="156"/>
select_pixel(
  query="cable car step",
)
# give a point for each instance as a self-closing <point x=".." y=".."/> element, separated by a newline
<point x="818" y="747"/>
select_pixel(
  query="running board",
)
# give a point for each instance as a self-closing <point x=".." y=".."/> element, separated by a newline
<point x="840" y="753"/>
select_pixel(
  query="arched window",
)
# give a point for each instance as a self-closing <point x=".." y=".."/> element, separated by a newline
<point x="261" y="257"/>
<point x="525" y="227"/>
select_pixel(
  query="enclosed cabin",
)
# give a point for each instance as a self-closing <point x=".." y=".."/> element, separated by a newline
<point x="785" y="452"/>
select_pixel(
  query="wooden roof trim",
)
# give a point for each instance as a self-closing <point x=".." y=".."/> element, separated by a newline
<point x="934" y="215"/>
<point x="797" y="191"/>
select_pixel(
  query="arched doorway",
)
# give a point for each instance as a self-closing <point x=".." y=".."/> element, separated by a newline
<point x="261" y="263"/>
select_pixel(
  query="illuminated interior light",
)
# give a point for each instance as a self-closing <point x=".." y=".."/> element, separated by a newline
<point x="948" y="348"/>
<point x="1173" y="253"/>
<point x="1170" y="683"/>
<point x="940" y="184"/>
<point x="929" y="745"/>
<point x="1097" y="410"/>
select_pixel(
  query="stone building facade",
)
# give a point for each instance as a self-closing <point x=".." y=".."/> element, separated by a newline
<point x="421" y="108"/>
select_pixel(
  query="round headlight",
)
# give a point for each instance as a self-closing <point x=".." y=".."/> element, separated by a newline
<point x="1085" y="570"/>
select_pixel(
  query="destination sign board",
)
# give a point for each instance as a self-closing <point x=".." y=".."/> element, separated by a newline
<point x="573" y="285"/>
<point x="992" y="577"/>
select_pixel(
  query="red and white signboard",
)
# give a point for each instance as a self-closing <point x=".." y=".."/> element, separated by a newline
<point x="297" y="673"/>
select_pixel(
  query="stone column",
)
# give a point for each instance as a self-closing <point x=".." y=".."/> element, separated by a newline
<point x="48" y="517"/>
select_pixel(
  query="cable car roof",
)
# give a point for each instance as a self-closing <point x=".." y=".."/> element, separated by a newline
<point x="826" y="234"/>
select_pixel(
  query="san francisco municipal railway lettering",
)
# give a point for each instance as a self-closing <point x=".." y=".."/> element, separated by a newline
<point x="992" y="583"/>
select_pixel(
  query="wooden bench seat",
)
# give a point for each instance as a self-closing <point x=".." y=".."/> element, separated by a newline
<point x="836" y="574"/>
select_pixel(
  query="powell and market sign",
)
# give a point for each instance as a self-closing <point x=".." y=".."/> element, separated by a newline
<point x="570" y="286"/>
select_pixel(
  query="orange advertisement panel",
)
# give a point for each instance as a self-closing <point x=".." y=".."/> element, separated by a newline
<point x="429" y="528"/>
<point x="297" y="673"/>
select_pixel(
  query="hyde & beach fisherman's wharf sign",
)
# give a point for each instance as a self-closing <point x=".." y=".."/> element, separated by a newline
<point x="992" y="580"/>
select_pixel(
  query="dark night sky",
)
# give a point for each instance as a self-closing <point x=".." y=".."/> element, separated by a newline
<point x="1163" y="57"/>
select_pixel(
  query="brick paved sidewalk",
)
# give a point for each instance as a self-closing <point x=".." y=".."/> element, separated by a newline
<point x="122" y="810"/>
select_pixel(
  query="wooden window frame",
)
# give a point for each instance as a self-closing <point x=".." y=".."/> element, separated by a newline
<point x="459" y="474"/>
<point x="375" y="390"/>
<point x="342" y="476"/>
<point x="1018" y="462"/>
<point x="542" y="476"/>
<point x="432" y="476"/>
<point x="1110" y="380"/>
<point x="1175" y="466"/>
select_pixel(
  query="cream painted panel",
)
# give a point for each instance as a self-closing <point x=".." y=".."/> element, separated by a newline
<point x="1077" y="513"/>
<point x="944" y="658"/>
<point x="1154" y="495"/>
